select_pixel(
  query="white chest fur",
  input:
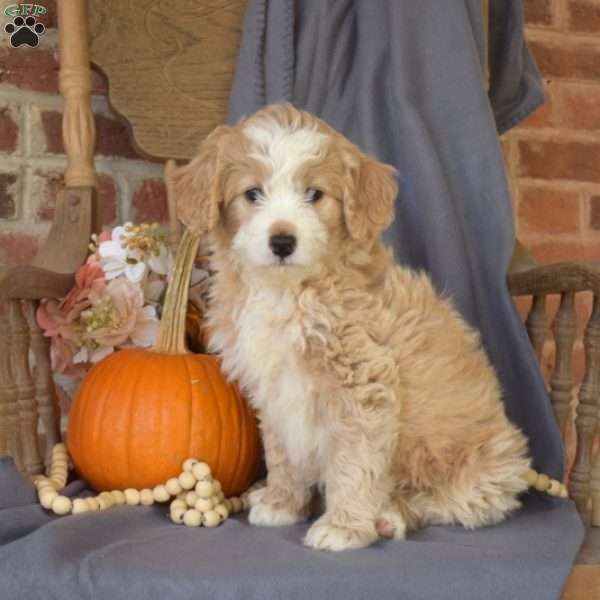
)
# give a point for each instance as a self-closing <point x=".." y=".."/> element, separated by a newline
<point x="268" y="351"/>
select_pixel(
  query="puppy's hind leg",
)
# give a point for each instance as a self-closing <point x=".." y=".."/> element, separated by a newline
<point x="285" y="498"/>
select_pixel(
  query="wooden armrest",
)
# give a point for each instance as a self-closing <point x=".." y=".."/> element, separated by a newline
<point x="555" y="279"/>
<point x="33" y="283"/>
<point x="66" y="246"/>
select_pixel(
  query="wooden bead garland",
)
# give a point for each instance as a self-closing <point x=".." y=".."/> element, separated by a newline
<point x="198" y="498"/>
<point x="543" y="483"/>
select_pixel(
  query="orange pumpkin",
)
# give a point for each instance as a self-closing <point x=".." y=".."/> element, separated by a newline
<point x="138" y="414"/>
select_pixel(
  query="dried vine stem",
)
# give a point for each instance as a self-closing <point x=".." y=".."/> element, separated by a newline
<point x="171" y="335"/>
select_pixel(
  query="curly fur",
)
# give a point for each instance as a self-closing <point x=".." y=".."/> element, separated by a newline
<point x="367" y="383"/>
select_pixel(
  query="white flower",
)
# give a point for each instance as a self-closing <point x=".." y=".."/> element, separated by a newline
<point x="160" y="264"/>
<point x="116" y="260"/>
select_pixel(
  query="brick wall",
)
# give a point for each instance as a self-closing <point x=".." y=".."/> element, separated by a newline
<point x="553" y="158"/>
<point x="32" y="160"/>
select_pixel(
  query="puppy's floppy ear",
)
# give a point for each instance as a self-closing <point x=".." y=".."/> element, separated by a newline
<point x="369" y="196"/>
<point x="198" y="185"/>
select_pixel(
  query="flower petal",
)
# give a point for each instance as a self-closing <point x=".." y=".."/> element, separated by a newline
<point x="135" y="273"/>
<point x="112" y="249"/>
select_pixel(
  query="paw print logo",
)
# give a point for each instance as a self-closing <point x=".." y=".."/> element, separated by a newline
<point x="24" y="32"/>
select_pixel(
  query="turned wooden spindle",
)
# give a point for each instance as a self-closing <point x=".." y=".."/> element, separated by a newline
<point x="589" y="397"/>
<point x="44" y="385"/>
<point x="9" y="415"/>
<point x="79" y="131"/>
<point x="561" y="384"/>
<point x="537" y="325"/>
<point x="28" y="418"/>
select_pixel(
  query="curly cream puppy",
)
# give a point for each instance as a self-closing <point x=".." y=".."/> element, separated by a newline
<point x="367" y="383"/>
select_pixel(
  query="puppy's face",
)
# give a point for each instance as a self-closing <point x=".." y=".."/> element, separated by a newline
<point x="284" y="191"/>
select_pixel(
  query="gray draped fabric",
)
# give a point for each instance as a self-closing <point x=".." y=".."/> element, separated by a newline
<point x="135" y="553"/>
<point x="403" y="79"/>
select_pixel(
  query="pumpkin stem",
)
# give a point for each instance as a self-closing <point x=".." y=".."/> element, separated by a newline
<point x="171" y="334"/>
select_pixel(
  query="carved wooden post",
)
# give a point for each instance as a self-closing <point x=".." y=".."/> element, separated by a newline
<point x="9" y="416"/>
<point x="561" y="384"/>
<point x="537" y="325"/>
<point x="44" y="385"/>
<point x="75" y="85"/>
<point x="25" y="390"/>
<point x="589" y="398"/>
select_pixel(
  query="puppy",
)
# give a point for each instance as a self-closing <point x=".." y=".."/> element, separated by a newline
<point x="366" y="382"/>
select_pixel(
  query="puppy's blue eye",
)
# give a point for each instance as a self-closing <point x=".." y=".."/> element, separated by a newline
<point x="313" y="195"/>
<point x="253" y="194"/>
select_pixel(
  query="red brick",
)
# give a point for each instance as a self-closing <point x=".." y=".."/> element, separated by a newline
<point x="544" y="115"/>
<point x="49" y="185"/>
<point x="578" y="106"/>
<point x="567" y="60"/>
<point x="29" y="68"/>
<point x="538" y="12"/>
<point x="576" y="161"/>
<point x="17" y="248"/>
<point x="112" y="136"/>
<point x="50" y="19"/>
<point x="8" y="195"/>
<point x="595" y="212"/>
<point x="544" y="210"/>
<point x="560" y="251"/>
<point x="9" y="130"/>
<point x="584" y="15"/>
<point x="150" y="202"/>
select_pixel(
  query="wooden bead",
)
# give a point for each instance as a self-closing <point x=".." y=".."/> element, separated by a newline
<point x="178" y="502"/>
<point x="104" y="501"/>
<point x="186" y="480"/>
<point x="173" y="486"/>
<point x="217" y="486"/>
<point x="201" y="471"/>
<point x="189" y="463"/>
<point x="531" y="477"/>
<point x="80" y="506"/>
<point x="227" y="503"/>
<point x="161" y="494"/>
<point x="191" y="498"/>
<point x="118" y="497"/>
<point x="204" y="489"/>
<point x="59" y="450"/>
<point x="92" y="504"/>
<point x="236" y="505"/>
<point x="61" y="505"/>
<point x="211" y="518"/>
<point x="132" y="497"/>
<point x="47" y="498"/>
<point x="222" y="510"/>
<point x="192" y="518"/>
<point x="146" y="497"/>
<point x="245" y="503"/>
<point x="177" y="514"/>
<point x="45" y="484"/>
<point x="554" y="488"/>
<point x="564" y="492"/>
<point x="220" y="497"/>
<point x="203" y="504"/>
<point x="542" y="483"/>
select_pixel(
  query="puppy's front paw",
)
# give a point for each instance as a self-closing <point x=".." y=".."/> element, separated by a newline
<point x="391" y="525"/>
<point x="323" y="535"/>
<point x="262" y="513"/>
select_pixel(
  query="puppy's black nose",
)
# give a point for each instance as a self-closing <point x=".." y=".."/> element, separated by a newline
<point x="282" y="245"/>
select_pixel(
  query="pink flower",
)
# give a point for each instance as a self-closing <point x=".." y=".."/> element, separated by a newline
<point x="60" y="320"/>
<point x="117" y="317"/>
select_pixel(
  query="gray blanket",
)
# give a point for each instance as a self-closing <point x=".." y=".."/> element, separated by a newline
<point x="135" y="553"/>
<point x="402" y="78"/>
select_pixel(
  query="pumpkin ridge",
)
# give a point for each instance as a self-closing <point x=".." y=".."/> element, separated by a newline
<point x="214" y="393"/>
<point x="189" y="421"/>
<point x="241" y="432"/>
